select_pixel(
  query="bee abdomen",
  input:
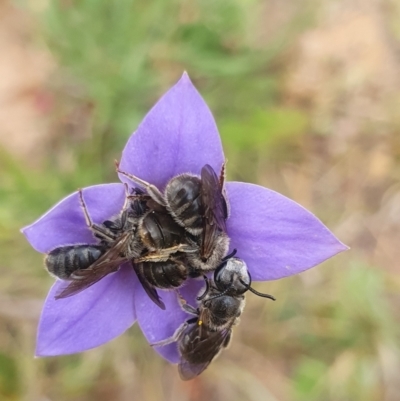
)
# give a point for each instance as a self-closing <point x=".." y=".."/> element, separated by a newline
<point x="165" y="274"/>
<point x="159" y="231"/>
<point x="64" y="260"/>
<point x="184" y="202"/>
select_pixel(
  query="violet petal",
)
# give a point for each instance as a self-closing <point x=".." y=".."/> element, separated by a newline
<point x="89" y="318"/>
<point x="65" y="223"/>
<point x="178" y="135"/>
<point x="274" y="235"/>
<point x="158" y="324"/>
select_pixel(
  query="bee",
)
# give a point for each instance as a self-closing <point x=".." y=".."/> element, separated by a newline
<point x="163" y="262"/>
<point x="198" y="204"/>
<point x="144" y="234"/>
<point x="85" y="264"/>
<point x="63" y="261"/>
<point x="201" y="339"/>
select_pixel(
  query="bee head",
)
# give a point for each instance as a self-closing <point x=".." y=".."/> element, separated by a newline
<point x="232" y="277"/>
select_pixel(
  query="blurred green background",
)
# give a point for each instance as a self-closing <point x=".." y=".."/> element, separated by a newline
<point x="306" y="97"/>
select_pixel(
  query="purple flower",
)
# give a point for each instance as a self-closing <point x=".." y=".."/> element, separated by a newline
<point x="275" y="236"/>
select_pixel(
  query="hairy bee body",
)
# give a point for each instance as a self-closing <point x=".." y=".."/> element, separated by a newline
<point x="63" y="261"/>
<point x="202" y="338"/>
<point x="198" y="205"/>
<point x="183" y="199"/>
<point x="85" y="264"/>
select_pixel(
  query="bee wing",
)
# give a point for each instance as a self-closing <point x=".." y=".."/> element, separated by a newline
<point x="204" y="347"/>
<point x="150" y="290"/>
<point x="108" y="263"/>
<point x="215" y="208"/>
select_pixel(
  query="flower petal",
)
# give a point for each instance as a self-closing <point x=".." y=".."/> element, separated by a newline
<point x="65" y="223"/>
<point x="89" y="318"/>
<point x="158" y="324"/>
<point x="274" y="235"/>
<point x="178" y="135"/>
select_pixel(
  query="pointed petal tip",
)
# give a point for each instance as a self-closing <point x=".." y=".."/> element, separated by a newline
<point x="185" y="77"/>
<point x="185" y="80"/>
<point x="47" y="351"/>
<point x="169" y="136"/>
<point x="79" y="323"/>
<point x="25" y="230"/>
<point x="337" y="248"/>
<point x="288" y="238"/>
<point x="39" y="354"/>
<point x="40" y="351"/>
<point x="342" y="247"/>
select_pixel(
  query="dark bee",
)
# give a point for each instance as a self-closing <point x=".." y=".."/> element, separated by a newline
<point x="63" y="261"/>
<point x="163" y="262"/>
<point x="160" y="235"/>
<point x="199" y="206"/>
<point x="85" y="264"/>
<point x="144" y="233"/>
<point x="202" y="338"/>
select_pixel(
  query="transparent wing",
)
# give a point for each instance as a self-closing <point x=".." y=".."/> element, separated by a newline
<point x="108" y="263"/>
<point x="215" y="209"/>
<point x="202" y="347"/>
<point x="150" y="290"/>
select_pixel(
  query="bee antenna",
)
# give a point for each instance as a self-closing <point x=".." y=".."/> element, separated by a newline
<point x="221" y="294"/>
<point x="260" y="294"/>
<point x="202" y="296"/>
<point x="231" y="255"/>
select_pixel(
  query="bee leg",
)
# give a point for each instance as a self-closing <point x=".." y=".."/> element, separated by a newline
<point x="187" y="248"/>
<point x="102" y="232"/>
<point x="152" y="190"/>
<point x="127" y="194"/>
<point x="138" y="197"/>
<point x="161" y="255"/>
<point x="227" y="340"/>
<point x="185" y="306"/>
<point x="175" y="337"/>
<point x="190" y="309"/>
<point x="128" y="198"/>
<point x="222" y="175"/>
<point x="202" y="296"/>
